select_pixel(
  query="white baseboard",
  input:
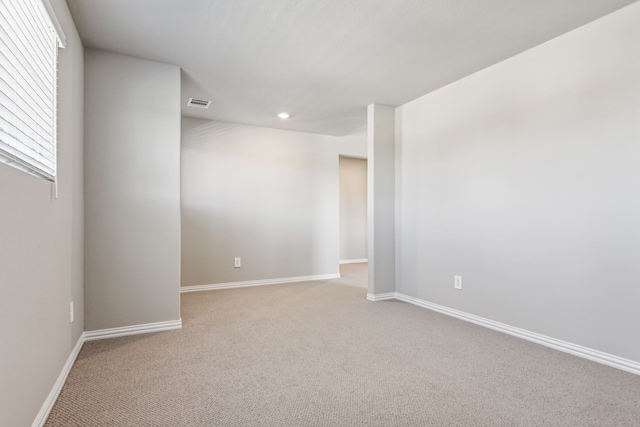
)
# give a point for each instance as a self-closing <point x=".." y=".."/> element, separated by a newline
<point x="213" y="287"/>
<point x="41" y="418"/>
<point x="353" y="261"/>
<point x="46" y="408"/>
<point x="146" y="328"/>
<point x="381" y="297"/>
<point x="564" y="346"/>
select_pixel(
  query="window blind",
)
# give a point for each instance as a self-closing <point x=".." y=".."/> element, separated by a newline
<point x="28" y="87"/>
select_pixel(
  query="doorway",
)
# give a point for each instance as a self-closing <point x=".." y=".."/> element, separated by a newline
<point x="353" y="215"/>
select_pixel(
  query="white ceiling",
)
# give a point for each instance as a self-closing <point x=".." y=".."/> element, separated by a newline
<point x="323" y="60"/>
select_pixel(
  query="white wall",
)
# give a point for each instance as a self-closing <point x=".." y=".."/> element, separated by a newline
<point x="353" y="209"/>
<point x="523" y="179"/>
<point x="41" y="265"/>
<point x="132" y="197"/>
<point x="268" y="196"/>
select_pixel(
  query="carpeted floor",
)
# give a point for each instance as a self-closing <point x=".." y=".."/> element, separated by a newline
<point x="319" y="354"/>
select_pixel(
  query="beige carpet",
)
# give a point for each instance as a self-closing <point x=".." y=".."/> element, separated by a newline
<point x="319" y="354"/>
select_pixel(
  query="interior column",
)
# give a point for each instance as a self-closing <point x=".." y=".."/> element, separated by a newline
<point x="381" y="200"/>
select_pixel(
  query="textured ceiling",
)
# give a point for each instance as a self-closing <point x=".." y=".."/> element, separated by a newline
<point x="323" y="60"/>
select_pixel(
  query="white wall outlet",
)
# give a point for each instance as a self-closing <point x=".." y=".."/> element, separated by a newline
<point x="457" y="282"/>
<point x="237" y="263"/>
<point x="71" y="314"/>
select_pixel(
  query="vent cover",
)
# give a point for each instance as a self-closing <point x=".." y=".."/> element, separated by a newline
<point x="198" y="103"/>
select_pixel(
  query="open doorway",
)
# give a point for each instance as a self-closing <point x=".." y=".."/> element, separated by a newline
<point x="353" y="216"/>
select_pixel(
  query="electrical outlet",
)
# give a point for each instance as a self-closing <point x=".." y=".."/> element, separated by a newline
<point x="237" y="263"/>
<point x="457" y="282"/>
<point x="71" y="313"/>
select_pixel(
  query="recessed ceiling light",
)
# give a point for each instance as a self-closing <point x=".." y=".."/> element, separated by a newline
<point x="283" y="115"/>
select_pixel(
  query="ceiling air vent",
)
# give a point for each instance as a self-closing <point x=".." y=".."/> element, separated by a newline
<point x="198" y="103"/>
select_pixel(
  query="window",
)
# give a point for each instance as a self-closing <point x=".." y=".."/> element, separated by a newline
<point x="29" y="40"/>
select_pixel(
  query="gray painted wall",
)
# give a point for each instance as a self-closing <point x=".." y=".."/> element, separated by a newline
<point x="523" y="179"/>
<point x="132" y="191"/>
<point x="353" y="209"/>
<point x="41" y="255"/>
<point x="381" y="147"/>
<point x="265" y="195"/>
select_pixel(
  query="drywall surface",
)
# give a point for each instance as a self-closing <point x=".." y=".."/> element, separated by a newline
<point x="132" y="191"/>
<point x="523" y="179"/>
<point x="41" y="255"/>
<point x="268" y="196"/>
<point x="381" y="135"/>
<point x="353" y="209"/>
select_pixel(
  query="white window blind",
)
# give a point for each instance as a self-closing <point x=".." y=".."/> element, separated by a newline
<point x="28" y="87"/>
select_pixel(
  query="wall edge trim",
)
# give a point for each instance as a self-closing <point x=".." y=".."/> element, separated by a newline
<point x="564" y="346"/>
<point x="250" y="283"/>
<point x="381" y="297"/>
<point x="145" y="328"/>
<point x="353" y="261"/>
<point x="47" y="406"/>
